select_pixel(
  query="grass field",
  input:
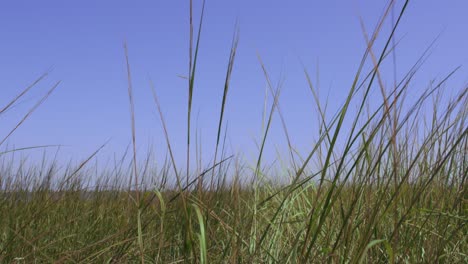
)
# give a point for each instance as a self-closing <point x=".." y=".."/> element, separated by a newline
<point x="389" y="186"/>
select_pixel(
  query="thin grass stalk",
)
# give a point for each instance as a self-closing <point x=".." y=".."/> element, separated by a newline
<point x="22" y="93"/>
<point x="135" y="165"/>
<point x="192" y="71"/>
<point x="232" y="56"/>
<point x="31" y="111"/>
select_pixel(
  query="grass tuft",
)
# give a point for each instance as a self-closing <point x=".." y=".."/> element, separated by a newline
<point x="385" y="182"/>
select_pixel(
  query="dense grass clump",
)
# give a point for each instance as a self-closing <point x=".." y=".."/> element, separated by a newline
<point x="386" y="186"/>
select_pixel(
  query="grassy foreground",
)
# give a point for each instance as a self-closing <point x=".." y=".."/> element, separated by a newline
<point x="386" y="186"/>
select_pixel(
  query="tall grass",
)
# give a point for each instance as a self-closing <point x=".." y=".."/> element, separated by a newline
<point x="385" y="182"/>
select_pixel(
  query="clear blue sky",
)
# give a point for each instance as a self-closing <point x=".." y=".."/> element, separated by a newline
<point x="82" y="41"/>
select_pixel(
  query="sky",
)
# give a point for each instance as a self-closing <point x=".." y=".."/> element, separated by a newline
<point x="81" y="44"/>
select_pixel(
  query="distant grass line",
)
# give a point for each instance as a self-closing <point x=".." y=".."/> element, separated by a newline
<point x="389" y="187"/>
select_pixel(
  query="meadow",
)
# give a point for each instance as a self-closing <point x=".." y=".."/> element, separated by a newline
<point x="384" y="182"/>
